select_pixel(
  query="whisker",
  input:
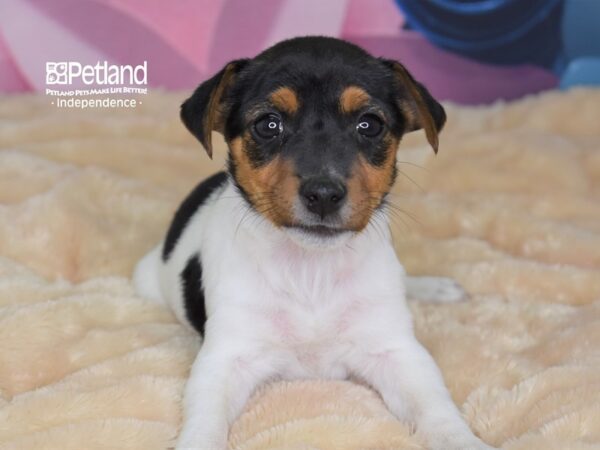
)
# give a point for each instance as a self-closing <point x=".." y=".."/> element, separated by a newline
<point x="412" y="181"/>
<point x="395" y="217"/>
<point x="414" y="165"/>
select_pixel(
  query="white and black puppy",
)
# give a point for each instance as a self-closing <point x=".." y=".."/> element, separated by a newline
<point x="284" y="264"/>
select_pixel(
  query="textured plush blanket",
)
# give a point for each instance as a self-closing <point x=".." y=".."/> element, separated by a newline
<point x="510" y="207"/>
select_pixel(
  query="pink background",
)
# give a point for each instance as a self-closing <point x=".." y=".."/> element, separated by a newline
<point x="185" y="41"/>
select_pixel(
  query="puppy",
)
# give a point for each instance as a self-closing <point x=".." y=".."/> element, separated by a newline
<point x="284" y="263"/>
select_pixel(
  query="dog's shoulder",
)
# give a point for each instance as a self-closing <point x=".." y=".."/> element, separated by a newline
<point x="189" y="207"/>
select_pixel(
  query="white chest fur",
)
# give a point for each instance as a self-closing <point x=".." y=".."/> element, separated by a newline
<point x="280" y="310"/>
<point x="308" y="307"/>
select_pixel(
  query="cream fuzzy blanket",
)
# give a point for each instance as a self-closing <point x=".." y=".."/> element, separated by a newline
<point x="510" y="208"/>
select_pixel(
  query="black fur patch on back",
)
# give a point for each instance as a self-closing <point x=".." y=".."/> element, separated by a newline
<point x="188" y="208"/>
<point x="193" y="293"/>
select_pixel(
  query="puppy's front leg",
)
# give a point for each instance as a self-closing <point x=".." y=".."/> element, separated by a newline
<point x="222" y="378"/>
<point x="412" y="386"/>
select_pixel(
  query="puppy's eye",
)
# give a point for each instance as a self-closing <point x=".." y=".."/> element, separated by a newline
<point x="369" y="125"/>
<point x="268" y="127"/>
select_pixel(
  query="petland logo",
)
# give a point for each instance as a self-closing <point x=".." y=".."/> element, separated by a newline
<point x="108" y="85"/>
<point x="102" y="73"/>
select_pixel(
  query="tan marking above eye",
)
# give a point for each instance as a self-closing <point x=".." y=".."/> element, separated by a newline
<point x="352" y="99"/>
<point x="285" y="99"/>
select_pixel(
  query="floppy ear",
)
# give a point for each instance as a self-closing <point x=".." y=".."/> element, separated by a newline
<point x="205" y="110"/>
<point x="420" y="108"/>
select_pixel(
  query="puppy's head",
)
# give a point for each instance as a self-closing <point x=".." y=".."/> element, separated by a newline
<point x="313" y="125"/>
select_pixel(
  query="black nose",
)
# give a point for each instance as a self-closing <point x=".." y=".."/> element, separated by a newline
<point x="322" y="196"/>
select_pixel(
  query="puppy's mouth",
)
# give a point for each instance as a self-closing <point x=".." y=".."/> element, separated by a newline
<point x="319" y="230"/>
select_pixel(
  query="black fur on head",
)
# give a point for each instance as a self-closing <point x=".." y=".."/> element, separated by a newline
<point x="313" y="111"/>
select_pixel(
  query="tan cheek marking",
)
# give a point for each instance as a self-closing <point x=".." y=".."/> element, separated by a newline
<point x="285" y="99"/>
<point x="288" y="186"/>
<point x="272" y="188"/>
<point x="368" y="184"/>
<point x="352" y="99"/>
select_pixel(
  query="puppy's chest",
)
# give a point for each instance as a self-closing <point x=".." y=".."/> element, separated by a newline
<point x="311" y="306"/>
<point x="301" y="325"/>
<point x="311" y="342"/>
<point x="313" y="326"/>
<point x="309" y="309"/>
